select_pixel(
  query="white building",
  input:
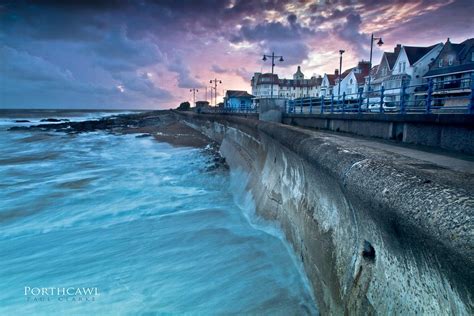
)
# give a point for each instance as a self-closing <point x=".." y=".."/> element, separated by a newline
<point x="383" y="71"/>
<point x="327" y="84"/>
<point x="410" y="66"/>
<point x="298" y="87"/>
<point x="351" y="81"/>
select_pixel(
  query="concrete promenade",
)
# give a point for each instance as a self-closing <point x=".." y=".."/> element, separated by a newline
<point x="396" y="150"/>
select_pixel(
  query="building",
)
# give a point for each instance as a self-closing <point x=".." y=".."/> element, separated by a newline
<point x="351" y="81"/>
<point x="327" y="84"/>
<point x="410" y="66"/>
<point x="383" y="71"/>
<point x="452" y="69"/>
<point x="201" y="106"/>
<point x="236" y="99"/>
<point x="298" y="87"/>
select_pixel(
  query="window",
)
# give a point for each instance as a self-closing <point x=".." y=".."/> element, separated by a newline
<point x="350" y="82"/>
<point x="404" y="65"/>
<point x="399" y="67"/>
<point x="440" y="63"/>
<point x="450" y="61"/>
<point x="472" y="56"/>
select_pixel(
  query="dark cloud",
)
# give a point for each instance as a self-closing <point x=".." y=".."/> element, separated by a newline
<point x="22" y="66"/>
<point x="117" y="52"/>
<point x="349" y="32"/>
<point x="143" y="84"/>
<point x="218" y="69"/>
<point x="185" y="78"/>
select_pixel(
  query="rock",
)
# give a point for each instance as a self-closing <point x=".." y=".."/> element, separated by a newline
<point x="143" y="135"/>
<point x="368" y="252"/>
<point x="50" y="120"/>
<point x="22" y="121"/>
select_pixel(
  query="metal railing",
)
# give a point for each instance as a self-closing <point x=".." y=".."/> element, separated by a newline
<point x="236" y="110"/>
<point x="448" y="96"/>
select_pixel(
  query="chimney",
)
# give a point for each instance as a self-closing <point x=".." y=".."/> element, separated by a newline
<point x="397" y="48"/>
<point x="336" y="72"/>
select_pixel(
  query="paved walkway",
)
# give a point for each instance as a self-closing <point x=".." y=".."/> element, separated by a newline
<point x="449" y="160"/>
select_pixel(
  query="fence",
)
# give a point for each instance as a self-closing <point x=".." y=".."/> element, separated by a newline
<point x="448" y="96"/>
<point x="239" y="110"/>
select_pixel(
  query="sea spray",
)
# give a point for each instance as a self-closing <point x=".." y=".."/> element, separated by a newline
<point x="243" y="198"/>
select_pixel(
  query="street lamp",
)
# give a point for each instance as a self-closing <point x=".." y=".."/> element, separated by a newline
<point x="194" y="90"/>
<point x="215" y="81"/>
<point x="379" y="43"/>
<point x="340" y="73"/>
<point x="273" y="65"/>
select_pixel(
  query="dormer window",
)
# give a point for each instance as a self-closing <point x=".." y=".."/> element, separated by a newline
<point x="450" y="61"/>
<point x="440" y="63"/>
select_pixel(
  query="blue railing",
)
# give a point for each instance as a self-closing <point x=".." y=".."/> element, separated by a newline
<point x="448" y="96"/>
<point x="237" y="110"/>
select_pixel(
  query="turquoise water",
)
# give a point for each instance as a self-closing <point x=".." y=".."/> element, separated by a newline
<point x="145" y="224"/>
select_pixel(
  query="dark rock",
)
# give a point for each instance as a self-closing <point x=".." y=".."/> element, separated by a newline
<point x="51" y="120"/>
<point x="22" y="121"/>
<point x="368" y="252"/>
<point x="18" y="128"/>
<point x="143" y="135"/>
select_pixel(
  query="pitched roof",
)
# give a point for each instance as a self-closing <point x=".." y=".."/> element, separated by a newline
<point x="465" y="48"/>
<point x="332" y="79"/>
<point x="360" y="76"/>
<point x="238" y="94"/>
<point x="463" y="64"/>
<point x="391" y="59"/>
<point x="348" y="71"/>
<point x="415" y="53"/>
<point x="450" y="70"/>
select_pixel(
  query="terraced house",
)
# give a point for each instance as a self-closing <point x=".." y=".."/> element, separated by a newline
<point x="411" y="64"/>
<point x="452" y="72"/>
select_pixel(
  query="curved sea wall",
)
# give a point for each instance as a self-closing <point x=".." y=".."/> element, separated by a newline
<point x="376" y="235"/>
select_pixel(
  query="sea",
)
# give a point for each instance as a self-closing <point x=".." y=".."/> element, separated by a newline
<point x="102" y="224"/>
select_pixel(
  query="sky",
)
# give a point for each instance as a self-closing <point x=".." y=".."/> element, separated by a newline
<point x="148" y="54"/>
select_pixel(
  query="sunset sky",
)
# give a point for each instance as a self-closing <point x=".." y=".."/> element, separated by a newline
<point x="148" y="54"/>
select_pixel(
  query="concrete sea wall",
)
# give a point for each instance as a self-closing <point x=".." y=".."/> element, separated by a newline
<point x="375" y="236"/>
<point x="449" y="131"/>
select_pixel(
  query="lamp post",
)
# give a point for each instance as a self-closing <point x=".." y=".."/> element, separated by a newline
<point x="194" y="90"/>
<point x="340" y="73"/>
<point x="215" y="81"/>
<point x="379" y="43"/>
<point x="210" y="95"/>
<point x="273" y="65"/>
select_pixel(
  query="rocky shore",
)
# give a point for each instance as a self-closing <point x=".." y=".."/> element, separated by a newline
<point x="163" y="125"/>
